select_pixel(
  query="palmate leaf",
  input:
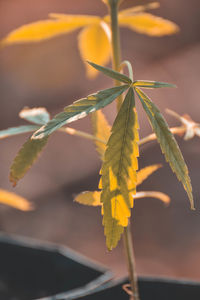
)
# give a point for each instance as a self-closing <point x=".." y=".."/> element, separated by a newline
<point x="80" y="109"/>
<point x="15" y="201"/>
<point x="25" y="158"/>
<point x="101" y="130"/>
<point x="38" y="115"/>
<point x="119" y="171"/>
<point x="144" y="173"/>
<point x="167" y="143"/>
<point x="17" y="130"/>
<point x="151" y="84"/>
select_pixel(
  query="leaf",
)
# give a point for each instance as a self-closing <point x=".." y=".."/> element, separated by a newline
<point x="80" y="109"/>
<point x="94" y="45"/>
<point x="144" y="173"/>
<point x="119" y="171"/>
<point x="167" y="143"/>
<point x="46" y="29"/>
<point x="89" y="198"/>
<point x="153" y="194"/>
<point x="37" y="115"/>
<point x="148" y="24"/>
<point x="25" y="158"/>
<point x="111" y="73"/>
<point x="151" y="84"/>
<point x="15" y="201"/>
<point x="101" y="130"/>
<point x="139" y="8"/>
<point x="17" y="130"/>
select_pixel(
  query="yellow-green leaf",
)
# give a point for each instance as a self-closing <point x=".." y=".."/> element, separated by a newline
<point x="25" y="158"/>
<point x="167" y="143"/>
<point x="144" y="173"/>
<point x="15" y="201"/>
<point x="46" y="29"/>
<point x="94" y="45"/>
<point x="153" y="194"/>
<point x="147" y="84"/>
<point x="148" y="24"/>
<point x="89" y="198"/>
<point x="101" y="130"/>
<point x="119" y="171"/>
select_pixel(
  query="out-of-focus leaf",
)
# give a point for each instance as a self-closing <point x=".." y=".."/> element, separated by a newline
<point x="15" y="201"/>
<point x="94" y="45"/>
<point x="89" y="198"/>
<point x="46" y="29"/>
<point x="140" y="8"/>
<point x="111" y="73"/>
<point x="151" y="84"/>
<point x="25" y="158"/>
<point x="17" y="130"/>
<point x="144" y="173"/>
<point x="148" y="24"/>
<point x="167" y="143"/>
<point x="101" y="130"/>
<point x="37" y="115"/>
<point x="80" y="109"/>
<point x="153" y="194"/>
<point x="119" y="171"/>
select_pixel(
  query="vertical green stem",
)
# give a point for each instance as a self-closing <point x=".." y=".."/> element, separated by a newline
<point x="116" y="54"/>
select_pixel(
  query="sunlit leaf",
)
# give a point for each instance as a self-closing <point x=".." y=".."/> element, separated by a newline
<point x="80" y="109"/>
<point x="25" y="158"/>
<point x="37" y="115"/>
<point x="167" y="143"/>
<point x="111" y="73"/>
<point x="89" y="198"/>
<point x="15" y="201"/>
<point x="153" y="194"/>
<point x="139" y="8"/>
<point x="46" y="29"/>
<point x="151" y="84"/>
<point x="119" y="171"/>
<point x="17" y="130"/>
<point x="144" y="173"/>
<point x="94" y="45"/>
<point x="101" y="130"/>
<point x="148" y="24"/>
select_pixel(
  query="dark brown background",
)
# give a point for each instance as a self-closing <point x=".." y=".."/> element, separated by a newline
<point x="51" y="74"/>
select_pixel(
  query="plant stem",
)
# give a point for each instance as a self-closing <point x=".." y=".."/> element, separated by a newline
<point x="116" y="54"/>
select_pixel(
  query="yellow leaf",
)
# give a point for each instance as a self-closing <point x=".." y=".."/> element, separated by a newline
<point x="153" y="194"/>
<point x="94" y="45"/>
<point x="139" y="8"/>
<point x="15" y="201"/>
<point x="148" y="24"/>
<point x="46" y="29"/>
<point x="146" y="172"/>
<point x="119" y="171"/>
<point x="101" y="130"/>
<point x="89" y="198"/>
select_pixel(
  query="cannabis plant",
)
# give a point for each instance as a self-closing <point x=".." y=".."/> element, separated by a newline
<point x="118" y="146"/>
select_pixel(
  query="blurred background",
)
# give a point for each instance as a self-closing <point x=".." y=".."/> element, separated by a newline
<point x="51" y="74"/>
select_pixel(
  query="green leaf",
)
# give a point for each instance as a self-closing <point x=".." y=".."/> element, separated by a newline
<point x="25" y="158"/>
<point x="37" y="115"/>
<point x="151" y="84"/>
<point x="167" y="143"/>
<point x="17" y="130"/>
<point x="119" y="171"/>
<point x="111" y="73"/>
<point x="80" y="109"/>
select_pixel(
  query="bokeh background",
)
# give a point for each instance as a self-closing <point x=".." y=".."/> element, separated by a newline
<point x="51" y="74"/>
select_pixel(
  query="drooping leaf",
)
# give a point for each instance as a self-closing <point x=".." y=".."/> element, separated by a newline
<point x="167" y="143"/>
<point x="151" y="84"/>
<point x="89" y="198"/>
<point x="46" y="29"/>
<point x="153" y="194"/>
<point x="148" y="24"/>
<point x="144" y="173"/>
<point x="139" y="8"/>
<point x="15" y="201"/>
<point x="111" y="73"/>
<point x="25" y="158"/>
<point x="101" y="130"/>
<point x="119" y="171"/>
<point x="17" y="130"/>
<point x="37" y="115"/>
<point x="80" y="109"/>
